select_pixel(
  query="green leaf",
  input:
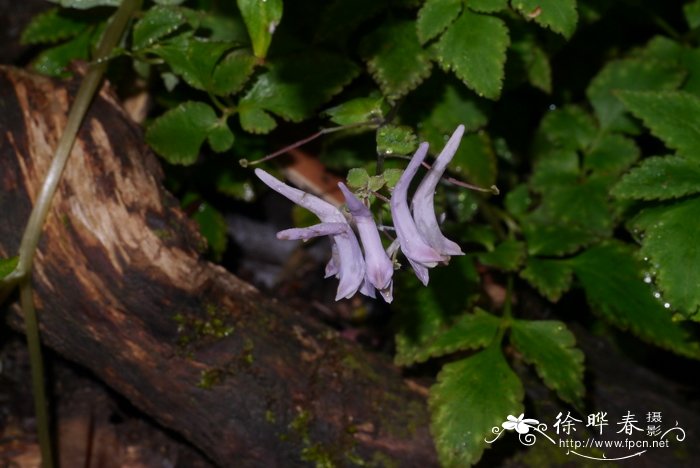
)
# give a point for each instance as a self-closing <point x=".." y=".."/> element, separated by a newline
<point x="451" y="106"/>
<point x="212" y="225"/>
<point x="51" y="26"/>
<point x="535" y="64"/>
<point x="610" y="275"/>
<point x="660" y="178"/>
<point x="178" y="134"/>
<point x="507" y="256"/>
<point x="518" y="201"/>
<point x="261" y="18"/>
<point x="395" y="58"/>
<point x="671" y="116"/>
<point x="392" y="176"/>
<point x="471" y="331"/>
<point x="393" y="139"/>
<point x="295" y="86"/>
<point x="8" y="265"/>
<point x="629" y="74"/>
<point x="54" y="61"/>
<point x="550" y="347"/>
<point x="84" y="4"/>
<point x="232" y="72"/>
<point x="546" y="238"/>
<point x="474" y="47"/>
<point x="157" y="22"/>
<point x="235" y="184"/>
<point x="220" y="137"/>
<point x="558" y="15"/>
<point x="579" y="204"/>
<point x="551" y="278"/>
<point x="471" y="397"/>
<point x="358" y="110"/>
<point x="611" y="154"/>
<point x="423" y="311"/>
<point x="475" y="160"/>
<point x="487" y="6"/>
<point x="569" y="127"/>
<point x="692" y="13"/>
<point x="192" y="58"/>
<point x="357" y="177"/>
<point x="669" y="241"/>
<point x="435" y="16"/>
<point x="255" y="120"/>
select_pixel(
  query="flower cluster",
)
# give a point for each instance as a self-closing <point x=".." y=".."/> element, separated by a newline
<point x="418" y="234"/>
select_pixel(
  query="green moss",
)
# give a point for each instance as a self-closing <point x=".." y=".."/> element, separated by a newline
<point x="192" y="330"/>
<point x="210" y="377"/>
<point x="270" y="417"/>
<point x="317" y="455"/>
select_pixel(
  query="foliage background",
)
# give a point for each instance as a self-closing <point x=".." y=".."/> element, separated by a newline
<point x="581" y="112"/>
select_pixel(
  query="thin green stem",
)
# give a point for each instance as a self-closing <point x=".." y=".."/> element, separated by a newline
<point x="86" y="92"/>
<point x="33" y="230"/>
<point x="37" y="369"/>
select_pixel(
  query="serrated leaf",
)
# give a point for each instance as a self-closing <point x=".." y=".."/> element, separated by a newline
<point x="54" y="61"/>
<point x="395" y="58"/>
<point x="546" y="238"/>
<point x="471" y="331"/>
<point x="452" y="105"/>
<point x="178" y="134"/>
<point x="423" y="311"/>
<point x="669" y="241"/>
<point x="507" y="256"/>
<point x="355" y="111"/>
<point x="569" y="127"/>
<point x="255" y="120"/>
<point x="487" y="6"/>
<point x="611" y="154"/>
<point x="84" y="4"/>
<point x="295" y="86"/>
<point x="156" y="23"/>
<point x="357" y="177"/>
<point x="232" y="72"/>
<point x="52" y="26"/>
<point x="474" y="47"/>
<point x="261" y="18"/>
<point x="392" y="176"/>
<point x="475" y="160"/>
<point x="551" y="278"/>
<point x="628" y="74"/>
<point x="8" y="265"/>
<point x="691" y="11"/>
<point x="192" y="58"/>
<point x="550" y="347"/>
<point x="671" y="116"/>
<point x="220" y="137"/>
<point x="465" y="407"/>
<point x="535" y="64"/>
<point x="435" y="16"/>
<point x="394" y="139"/>
<point x="558" y="15"/>
<point x="660" y="178"/>
<point x="579" y="204"/>
<point x="610" y="276"/>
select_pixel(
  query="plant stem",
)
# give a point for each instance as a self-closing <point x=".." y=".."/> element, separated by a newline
<point x="86" y="92"/>
<point x="37" y="370"/>
<point x="32" y="233"/>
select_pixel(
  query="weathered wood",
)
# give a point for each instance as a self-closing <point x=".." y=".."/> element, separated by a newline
<point x="122" y="290"/>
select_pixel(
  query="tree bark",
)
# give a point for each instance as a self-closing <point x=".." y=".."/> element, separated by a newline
<point x="121" y="289"/>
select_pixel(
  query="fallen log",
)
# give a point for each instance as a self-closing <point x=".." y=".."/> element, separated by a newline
<point x="121" y="289"/>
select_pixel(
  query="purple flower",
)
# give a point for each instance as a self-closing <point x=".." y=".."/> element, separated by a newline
<point x="423" y="203"/>
<point x="380" y="268"/>
<point x="350" y="266"/>
<point x="417" y="251"/>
